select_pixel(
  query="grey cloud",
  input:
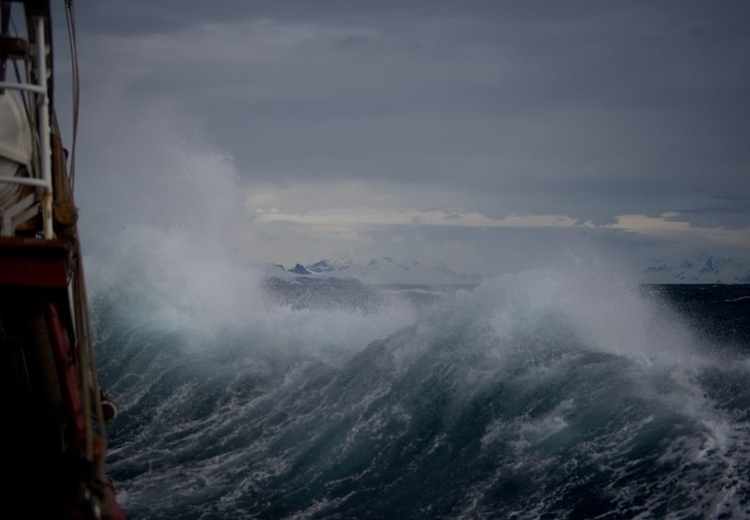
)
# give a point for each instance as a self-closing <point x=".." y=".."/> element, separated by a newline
<point x="584" y="108"/>
<point x="731" y="216"/>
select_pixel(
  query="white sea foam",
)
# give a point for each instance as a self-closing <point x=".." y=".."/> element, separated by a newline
<point x="165" y="227"/>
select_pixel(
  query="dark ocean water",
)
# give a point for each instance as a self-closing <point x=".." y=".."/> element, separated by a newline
<point x="538" y="395"/>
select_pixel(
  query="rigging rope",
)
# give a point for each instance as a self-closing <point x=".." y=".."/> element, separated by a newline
<point x="87" y="361"/>
<point x="71" y="23"/>
<point x="95" y="386"/>
<point x="15" y="64"/>
<point x="87" y="355"/>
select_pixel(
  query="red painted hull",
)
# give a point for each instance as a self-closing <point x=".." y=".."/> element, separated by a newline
<point x="46" y="424"/>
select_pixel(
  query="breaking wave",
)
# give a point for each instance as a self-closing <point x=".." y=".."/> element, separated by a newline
<point x="562" y="392"/>
<point x="544" y="393"/>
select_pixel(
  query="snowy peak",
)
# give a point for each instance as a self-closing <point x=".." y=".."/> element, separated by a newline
<point x="705" y="268"/>
<point x="299" y="269"/>
<point x="442" y="268"/>
<point x="328" y="266"/>
<point x="386" y="270"/>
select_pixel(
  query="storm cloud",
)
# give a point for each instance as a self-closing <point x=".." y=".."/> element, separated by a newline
<point x="591" y="112"/>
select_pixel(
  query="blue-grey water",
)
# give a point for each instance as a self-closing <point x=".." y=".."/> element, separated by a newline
<point x="536" y="395"/>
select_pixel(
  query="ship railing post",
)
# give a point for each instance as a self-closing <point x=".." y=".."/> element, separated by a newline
<point x="45" y="151"/>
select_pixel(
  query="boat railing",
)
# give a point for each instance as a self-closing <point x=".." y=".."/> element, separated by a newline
<point x="30" y="206"/>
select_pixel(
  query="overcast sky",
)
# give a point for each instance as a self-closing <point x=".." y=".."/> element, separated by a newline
<point x="476" y="133"/>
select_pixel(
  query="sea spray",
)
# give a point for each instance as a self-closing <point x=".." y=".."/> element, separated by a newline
<point x="562" y="391"/>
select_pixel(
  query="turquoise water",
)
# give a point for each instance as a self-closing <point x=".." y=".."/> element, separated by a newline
<point x="537" y="395"/>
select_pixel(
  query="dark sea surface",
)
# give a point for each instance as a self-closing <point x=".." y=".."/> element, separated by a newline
<point x="538" y="395"/>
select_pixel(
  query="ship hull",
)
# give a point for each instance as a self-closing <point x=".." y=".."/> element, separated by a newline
<point x="40" y="389"/>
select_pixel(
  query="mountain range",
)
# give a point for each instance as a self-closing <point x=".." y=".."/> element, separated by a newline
<point x="704" y="268"/>
<point x="377" y="271"/>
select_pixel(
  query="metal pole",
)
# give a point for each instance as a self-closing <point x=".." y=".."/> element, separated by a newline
<point x="44" y="132"/>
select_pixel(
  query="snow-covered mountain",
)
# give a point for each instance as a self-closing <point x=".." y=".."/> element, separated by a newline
<point x="386" y="270"/>
<point x="704" y="268"/>
<point x="299" y="269"/>
<point x="329" y="266"/>
<point x="377" y="271"/>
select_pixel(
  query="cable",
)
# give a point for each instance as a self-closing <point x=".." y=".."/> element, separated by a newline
<point x="70" y="19"/>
